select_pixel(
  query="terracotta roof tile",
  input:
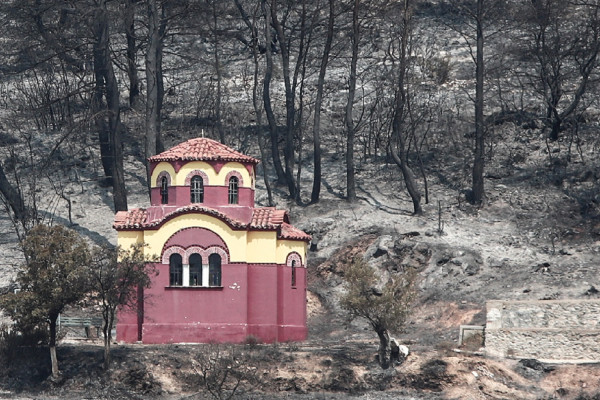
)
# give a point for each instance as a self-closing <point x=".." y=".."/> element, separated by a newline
<point x="291" y="232"/>
<point x="202" y="149"/>
<point x="135" y="218"/>
<point x="265" y="218"/>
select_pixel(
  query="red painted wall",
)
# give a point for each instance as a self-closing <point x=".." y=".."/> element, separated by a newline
<point x="214" y="196"/>
<point x="195" y="237"/>
<point x="262" y="301"/>
<point x="291" y="310"/>
<point x="255" y="300"/>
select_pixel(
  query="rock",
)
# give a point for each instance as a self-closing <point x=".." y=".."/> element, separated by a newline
<point x="471" y="269"/>
<point x="542" y="267"/>
<point x="532" y="363"/>
<point x="592" y="291"/>
<point x="532" y="368"/>
<point x="379" y="248"/>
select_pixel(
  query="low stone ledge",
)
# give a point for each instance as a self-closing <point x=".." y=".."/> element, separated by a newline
<point x="559" y="331"/>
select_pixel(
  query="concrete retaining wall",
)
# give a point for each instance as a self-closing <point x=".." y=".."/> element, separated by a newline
<point x="548" y="330"/>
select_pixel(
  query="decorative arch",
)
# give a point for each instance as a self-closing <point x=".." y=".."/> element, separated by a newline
<point x="186" y="253"/>
<point x="293" y="256"/>
<point x="173" y="250"/>
<point x="237" y="175"/>
<point x="195" y="236"/>
<point x="194" y="250"/>
<point x="196" y="172"/>
<point x="161" y="175"/>
<point x="220" y="251"/>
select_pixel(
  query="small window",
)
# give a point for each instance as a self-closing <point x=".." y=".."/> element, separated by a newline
<point x="214" y="270"/>
<point x="164" y="190"/>
<point x="233" y="190"/>
<point x="175" y="270"/>
<point x="195" y="270"/>
<point x="293" y="272"/>
<point x="197" y="189"/>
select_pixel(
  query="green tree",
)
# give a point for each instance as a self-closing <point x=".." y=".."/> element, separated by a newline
<point x="54" y="276"/>
<point x="117" y="276"/>
<point x="384" y="303"/>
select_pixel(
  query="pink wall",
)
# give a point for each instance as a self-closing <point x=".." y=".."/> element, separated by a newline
<point x="214" y="196"/>
<point x="262" y="301"/>
<point x="255" y="300"/>
<point x="195" y="237"/>
<point x="291" y="310"/>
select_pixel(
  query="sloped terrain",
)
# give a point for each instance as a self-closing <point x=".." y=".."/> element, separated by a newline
<point x="531" y="240"/>
<point x="536" y="237"/>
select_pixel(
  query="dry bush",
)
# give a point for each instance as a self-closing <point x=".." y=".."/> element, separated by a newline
<point x="224" y="370"/>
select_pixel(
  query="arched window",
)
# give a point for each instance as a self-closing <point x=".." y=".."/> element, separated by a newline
<point x="214" y="270"/>
<point x="164" y="190"/>
<point x="293" y="272"/>
<point x="195" y="270"/>
<point x="197" y="189"/>
<point x="175" y="270"/>
<point x="233" y="190"/>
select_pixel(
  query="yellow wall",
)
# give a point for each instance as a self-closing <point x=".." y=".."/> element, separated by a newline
<point x="285" y="247"/>
<point x="251" y="247"/>
<point x="213" y="178"/>
<point x="262" y="247"/>
<point x="194" y="165"/>
<point x="162" y="166"/>
<point x="126" y="239"/>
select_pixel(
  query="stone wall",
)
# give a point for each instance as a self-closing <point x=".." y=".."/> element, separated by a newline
<point x="548" y="330"/>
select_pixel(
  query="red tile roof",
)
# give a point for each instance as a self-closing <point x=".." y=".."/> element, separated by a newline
<point x="202" y="149"/>
<point x="265" y="218"/>
<point x="291" y="232"/>
<point x="135" y="218"/>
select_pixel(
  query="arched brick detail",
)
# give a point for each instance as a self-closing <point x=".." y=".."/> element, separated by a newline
<point x="220" y="251"/>
<point x="188" y="237"/>
<point x="294" y="257"/>
<point x="173" y="250"/>
<point x="159" y="178"/>
<point x="237" y="175"/>
<point x="194" y="250"/>
<point x="196" y="172"/>
<point x="204" y="253"/>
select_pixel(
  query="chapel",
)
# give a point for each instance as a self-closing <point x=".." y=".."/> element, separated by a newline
<point x="227" y="271"/>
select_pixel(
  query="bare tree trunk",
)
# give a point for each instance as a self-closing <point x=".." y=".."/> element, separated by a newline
<point x="267" y="97"/>
<point x="409" y="179"/>
<point x="218" y="72"/>
<point x="398" y="138"/>
<point x="255" y="101"/>
<point x="152" y="105"/>
<point x="109" y="318"/>
<point x="316" y="189"/>
<point x="350" y="127"/>
<point x="384" y="340"/>
<point x="13" y="197"/>
<point x="132" y="72"/>
<point x="290" y="108"/>
<point x="98" y="111"/>
<point x="107" y="82"/>
<point x="160" y="82"/>
<point x="479" y="153"/>
<point x="52" y="346"/>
